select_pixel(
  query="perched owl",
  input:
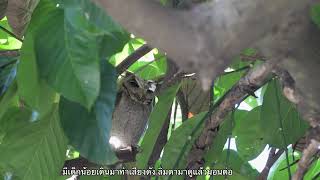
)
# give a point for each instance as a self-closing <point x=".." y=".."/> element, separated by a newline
<point x="132" y="110"/>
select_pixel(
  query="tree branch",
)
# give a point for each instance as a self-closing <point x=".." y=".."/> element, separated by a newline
<point x="132" y="58"/>
<point x="254" y="79"/>
<point x="9" y="53"/>
<point x="273" y="157"/>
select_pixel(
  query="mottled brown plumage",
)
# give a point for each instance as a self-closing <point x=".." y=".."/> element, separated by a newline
<point x="132" y="110"/>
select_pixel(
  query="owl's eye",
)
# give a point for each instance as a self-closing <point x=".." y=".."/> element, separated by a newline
<point x="134" y="83"/>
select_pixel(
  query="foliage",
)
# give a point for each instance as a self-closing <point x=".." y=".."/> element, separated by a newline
<point x="282" y="123"/>
<point x="59" y="94"/>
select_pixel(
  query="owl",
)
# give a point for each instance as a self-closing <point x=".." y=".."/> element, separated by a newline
<point x="133" y="107"/>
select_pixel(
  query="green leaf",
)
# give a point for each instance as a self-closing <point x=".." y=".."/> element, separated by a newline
<point x="225" y="82"/>
<point x="315" y="14"/>
<point x="3" y="35"/>
<point x="156" y="120"/>
<point x="225" y="129"/>
<point x="150" y="71"/>
<point x="88" y="132"/>
<point x="279" y="169"/>
<point x="237" y="164"/>
<point x="66" y="56"/>
<point x="252" y="101"/>
<point x="113" y="43"/>
<point x="32" y="149"/>
<point x="313" y="170"/>
<point x="249" y="137"/>
<point x="7" y="72"/>
<point x="6" y="40"/>
<point x="34" y="91"/>
<point x="6" y="100"/>
<point x="96" y="17"/>
<point x="178" y="139"/>
<point x="68" y="48"/>
<point x="277" y="111"/>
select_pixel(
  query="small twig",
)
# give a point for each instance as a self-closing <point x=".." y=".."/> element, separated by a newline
<point x="305" y="160"/>
<point x="10" y="33"/>
<point x="132" y="58"/>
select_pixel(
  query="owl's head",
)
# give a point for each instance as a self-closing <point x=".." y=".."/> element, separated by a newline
<point x="140" y="90"/>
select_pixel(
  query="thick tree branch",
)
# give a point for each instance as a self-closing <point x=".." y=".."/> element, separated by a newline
<point x="254" y="79"/>
<point x="132" y="58"/>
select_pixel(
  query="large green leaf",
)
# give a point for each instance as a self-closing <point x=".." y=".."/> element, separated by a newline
<point x="6" y="40"/>
<point x="68" y="49"/>
<point x="88" y="131"/>
<point x="7" y="98"/>
<point x="34" y="91"/>
<point x="279" y="169"/>
<point x="225" y="130"/>
<point x="249" y="136"/>
<point x="7" y="72"/>
<point x="150" y="71"/>
<point x="96" y="17"/>
<point x="177" y="141"/>
<point x="313" y="170"/>
<point x="237" y="164"/>
<point x="225" y="82"/>
<point x="279" y="119"/>
<point x="32" y="149"/>
<point x="110" y="35"/>
<point x="67" y="57"/>
<point x="156" y="120"/>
